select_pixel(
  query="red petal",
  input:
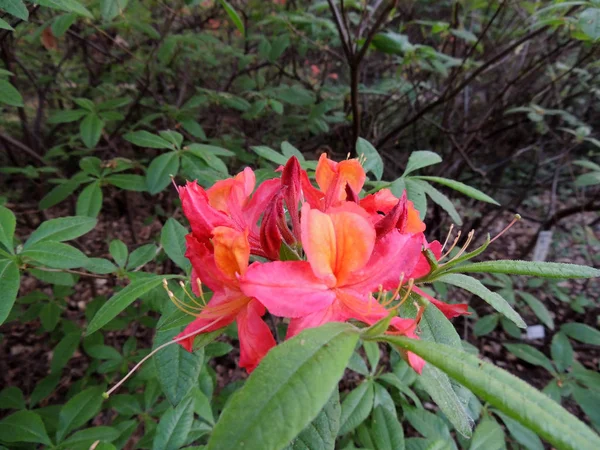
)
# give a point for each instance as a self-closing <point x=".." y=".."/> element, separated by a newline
<point x="254" y="335"/>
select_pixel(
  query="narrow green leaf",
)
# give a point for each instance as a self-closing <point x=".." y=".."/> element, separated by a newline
<point x="61" y="229"/>
<point x="89" y="202"/>
<point x="118" y="250"/>
<point x="177" y="369"/>
<point x="460" y="187"/>
<point x="128" y="182"/>
<point x="112" y="8"/>
<point x="522" y="435"/>
<point x="9" y="94"/>
<point x="59" y="193"/>
<point x="356" y="407"/>
<point x="416" y="194"/>
<point x="174" y="426"/>
<point x="66" y="116"/>
<point x="386" y="431"/>
<point x="122" y="300"/>
<point x="4" y="25"/>
<point x="67" y="5"/>
<point x="233" y="15"/>
<point x="9" y="287"/>
<point x="506" y="392"/>
<point x="294" y="381"/>
<point x="63" y="351"/>
<point x="15" y="8"/>
<point x="12" y="398"/>
<point x="486" y="324"/>
<point x="488" y="436"/>
<point x="538" y="308"/>
<point x="321" y="433"/>
<point x="531" y="355"/>
<point x="100" y="266"/>
<point x="141" y="255"/>
<point x="476" y="287"/>
<point x="172" y="238"/>
<point x="86" y="438"/>
<point x="7" y="228"/>
<point x="269" y="154"/>
<point x="160" y="171"/>
<point x="56" y="255"/>
<point x="78" y="410"/>
<point x="582" y="333"/>
<point x="147" y="140"/>
<point x="90" y="130"/>
<point x="24" y="426"/>
<point x="440" y="199"/>
<point x="289" y="150"/>
<point x="373" y="162"/>
<point x="530" y="268"/>
<point x="562" y="351"/>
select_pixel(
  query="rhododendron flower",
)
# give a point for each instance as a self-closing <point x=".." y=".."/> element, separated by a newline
<point x="229" y="203"/>
<point x="345" y="263"/>
<point x="218" y="263"/>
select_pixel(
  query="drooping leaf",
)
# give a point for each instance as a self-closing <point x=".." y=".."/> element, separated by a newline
<point x="522" y="434"/>
<point x="440" y="199"/>
<point x="89" y="202"/>
<point x="9" y="287"/>
<point x="174" y="426"/>
<point x="562" y="352"/>
<point x="506" y="392"/>
<point x="233" y="15"/>
<point x="7" y="228"/>
<point x="531" y="355"/>
<point x="78" y="410"/>
<point x="385" y="430"/>
<point x="356" y="407"/>
<point x="63" y="352"/>
<point x="172" y="238"/>
<point x="9" y="94"/>
<point x="15" y="8"/>
<point x="294" y="381"/>
<point x="582" y="333"/>
<point x="59" y="193"/>
<point x="538" y="308"/>
<point x="462" y="188"/>
<point x="24" y="426"/>
<point x="90" y="130"/>
<point x="476" y="287"/>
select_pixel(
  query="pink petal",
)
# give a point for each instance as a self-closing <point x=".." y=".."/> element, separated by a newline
<point x="254" y="335"/>
<point x="203" y="264"/>
<point x="333" y="313"/>
<point x="286" y="288"/>
<point x="202" y="217"/>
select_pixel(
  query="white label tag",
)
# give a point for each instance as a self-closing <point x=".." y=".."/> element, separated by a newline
<point x="542" y="246"/>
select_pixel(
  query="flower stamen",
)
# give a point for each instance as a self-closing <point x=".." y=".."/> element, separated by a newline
<point x="515" y="220"/>
<point x="452" y="246"/>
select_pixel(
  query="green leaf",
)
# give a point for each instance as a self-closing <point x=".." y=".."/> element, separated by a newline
<point x="233" y="15"/>
<point x="589" y="402"/>
<point x="147" y="140"/>
<point x="78" y="410"/>
<point x="160" y="171"/>
<point x="440" y="199"/>
<point x="61" y="229"/>
<point x="294" y="381"/>
<point x="56" y="255"/>
<point x="9" y="285"/>
<point x="91" y="165"/>
<point x="86" y="438"/>
<point x="486" y="325"/>
<point x="269" y="154"/>
<point x="177" y="369"/>
<point x="7" y="228"/>
<point x="24" y="426"/>
<point x="141" y="255"/>
<point x="59" y="193"/>
<point x="475" y="287"/>
<point x="4" y="25"/>
<point x="100" y="265"/>
<point x="356" y="407"/>
<point x="321" y="433"/>
<point x="205" y="153"/>
<point x="49" y="316"/>
<point x="562" y="352"/>
<point x="538" y="308"/>
<point x="582" y="333"/>
<point x="12" y="398"/>
<point x="531" y="268"/>
<point x="90" y="130"/>
<point x="289" y="150"/>
<point x="15" y="8"/>
<point x="509" y="394"/>
<point x="415" y="193"/>
<point x="385" y="430"/>
<point x="531" y="355"/>
<point x="66" y="116"/>
<point x="522" y="435"/>
<point x="63" y="351"/>
<point x="427" y="423"/>
<point x="61" y="24"/>
<point x="9" y="94"/>
<point x="420" y="159"/>
<point x="89" y="202"/>
<point x="118" y="250"/>
<point x="174" y="426"/>
<point x="122" y="300"/>
<point x="67" y="5"/>
<point x="373" y="162"/>
<point x="589" y="22"/>
<point x="112" y="8"/>
<point x="488" y="436"/>
<point x="462" y="188"/>
<point x="128" y="182"/>
<point x="172" y="238"/>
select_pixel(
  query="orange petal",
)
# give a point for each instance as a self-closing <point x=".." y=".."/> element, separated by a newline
<point x="414" y="224"/>
<point x="231" y="251"/>
<point x="325" y="172"/>
<point x="352" y="173"/>
<point x="354" y="242"/>
<point x="332" y="176"/>
<point x="238" y="188"/>
<point x="318" y="241"/>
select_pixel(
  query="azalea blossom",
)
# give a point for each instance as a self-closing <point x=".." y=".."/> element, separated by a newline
<point x="218" y="264"/>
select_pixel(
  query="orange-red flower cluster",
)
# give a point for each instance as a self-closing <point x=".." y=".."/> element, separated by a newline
<point x="321" y="254"/>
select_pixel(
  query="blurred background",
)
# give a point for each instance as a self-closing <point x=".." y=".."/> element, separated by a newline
<point x="104" y="102"/>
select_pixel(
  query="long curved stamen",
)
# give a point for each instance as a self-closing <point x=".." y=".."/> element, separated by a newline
<point x="187" y="309"/>
<point x="464" y="247"/>
<point x="448" y="236"/>
<point x="411" y="283"/>
<point x="515" y="220"/>
<point x="190" y="296"/>
<point x="452" y="246"/>
<point x="152" y="353"/>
